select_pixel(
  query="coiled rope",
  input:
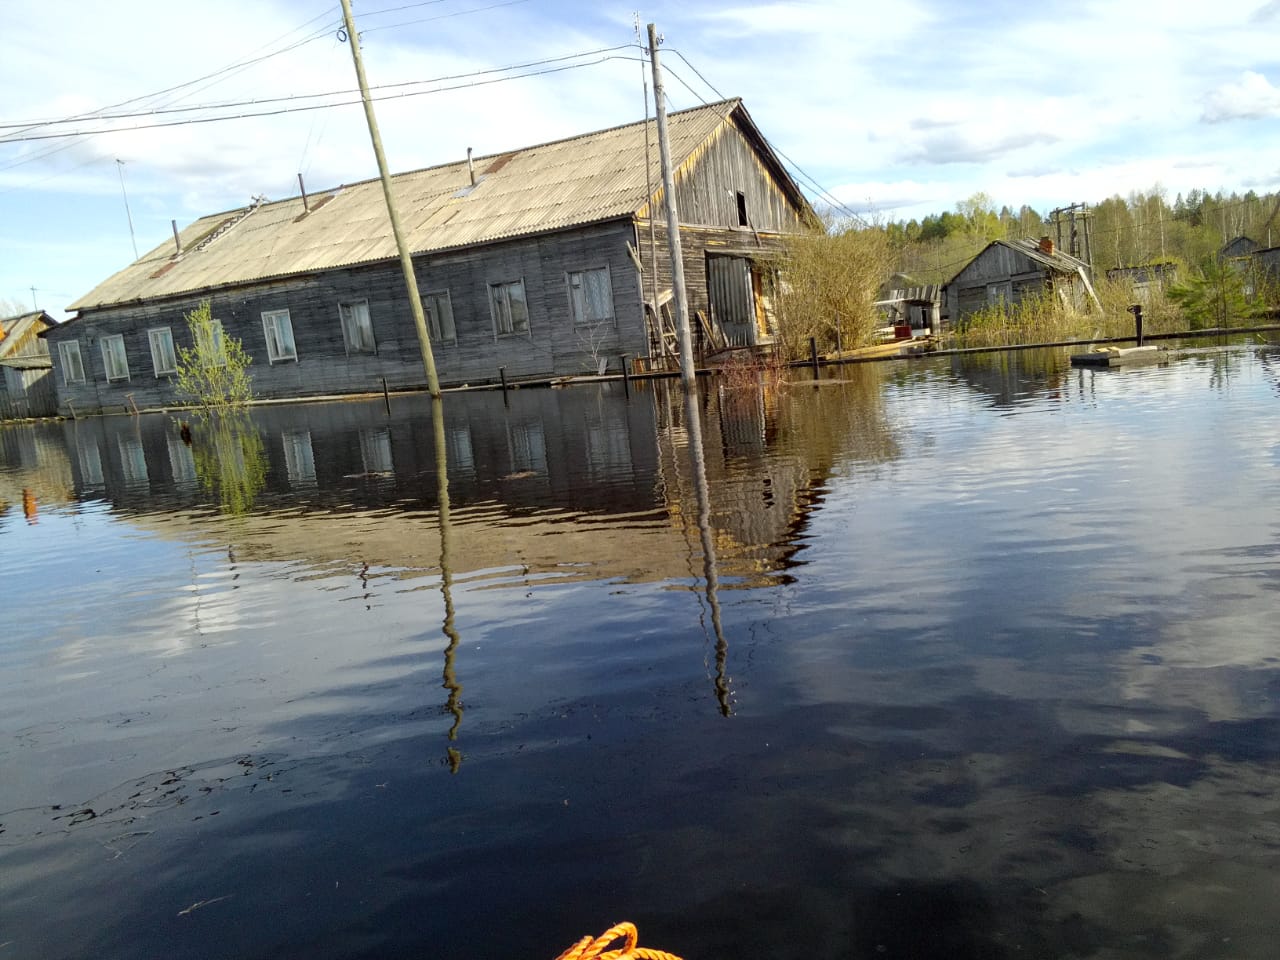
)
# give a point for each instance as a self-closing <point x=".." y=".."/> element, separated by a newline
<point x="589" y="948"/>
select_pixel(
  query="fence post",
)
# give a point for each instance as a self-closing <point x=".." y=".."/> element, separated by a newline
<point x="1136" y="310"/>
<point x="626" y="381"/>
<point x="813" y="355"/>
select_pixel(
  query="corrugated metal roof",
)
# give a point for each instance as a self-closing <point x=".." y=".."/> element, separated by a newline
<point x="589" y="178"/>
<point x="1057" y="260"/>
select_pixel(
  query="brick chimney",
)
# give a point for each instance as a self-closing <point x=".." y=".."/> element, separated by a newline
<point x="1046" y="245"/>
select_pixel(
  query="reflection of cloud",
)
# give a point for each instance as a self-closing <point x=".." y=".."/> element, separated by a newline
<point x="1251" y="98"/>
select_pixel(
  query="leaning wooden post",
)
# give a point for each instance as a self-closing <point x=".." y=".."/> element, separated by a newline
<point x="813" y="356"/>
<point x="687" y="370"/>
<point x="626" y="381"/>
<point x="406" y="263"/>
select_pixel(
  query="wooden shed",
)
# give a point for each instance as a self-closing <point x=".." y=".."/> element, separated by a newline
<point x="1008" y="271"/>
<point x="26" y="373"/>
<point x="544" y="261"/>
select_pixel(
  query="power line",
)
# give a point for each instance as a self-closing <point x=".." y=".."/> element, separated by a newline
<point x="229" y="104"/>
<point x="822" y="192"/>
<point x="443" y="16"/>
<point x="303" y="109"/>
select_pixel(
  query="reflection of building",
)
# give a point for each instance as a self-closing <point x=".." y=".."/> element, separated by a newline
<point x="540" y="261"/>
<point x="581" y="482"/>
<point x="34" y="469"/>
<point x="1010" y="376"/>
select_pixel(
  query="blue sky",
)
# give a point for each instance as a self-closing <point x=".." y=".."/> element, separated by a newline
<point x="901" y="108"/>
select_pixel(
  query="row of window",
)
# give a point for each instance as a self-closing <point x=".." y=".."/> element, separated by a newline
<point x="590" y="301"/>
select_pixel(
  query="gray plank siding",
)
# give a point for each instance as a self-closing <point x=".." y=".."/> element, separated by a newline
<point x="551" y="347"/>
<point x="723" y="168"/>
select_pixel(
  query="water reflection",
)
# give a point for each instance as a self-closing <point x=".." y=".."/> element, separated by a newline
<point x="225" y="453"/>
<point x="985" y="687"/>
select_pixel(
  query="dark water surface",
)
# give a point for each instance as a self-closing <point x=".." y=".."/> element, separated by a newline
<point x="989" y="668"/>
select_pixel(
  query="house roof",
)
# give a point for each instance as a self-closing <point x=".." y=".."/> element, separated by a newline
<point x="590" y="178"/>
<point x="1057" y="261"/>
<point x="13" y="329"/>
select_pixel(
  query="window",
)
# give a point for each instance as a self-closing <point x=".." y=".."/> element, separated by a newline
<point x="72" y="365"/>
<point x="590" y="296"/>
<point x="279" y="331"/>
<point x="742" y="210"/>
<point x="510" y="309"/>
<point x="357" y="328"/>
<point x="113" y="357"/>
<point x="163" y="358"/>
<point x="439" y="312"/>
<point x="216" y="351"/>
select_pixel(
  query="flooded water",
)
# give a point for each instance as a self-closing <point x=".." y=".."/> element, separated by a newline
<point x="967" y="657"/>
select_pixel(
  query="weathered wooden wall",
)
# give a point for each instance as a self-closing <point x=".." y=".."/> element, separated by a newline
<point x="552" y="347"/>
<point x="26" y="393"/>
<point x="967" y="293"/>
<point x="710" y="180"/>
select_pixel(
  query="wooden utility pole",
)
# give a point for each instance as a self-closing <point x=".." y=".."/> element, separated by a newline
<point x="406" y="263"/>
<point x="687" y="371"/>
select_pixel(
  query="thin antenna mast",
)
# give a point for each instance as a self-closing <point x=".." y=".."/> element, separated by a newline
<point x="124" y="193"/>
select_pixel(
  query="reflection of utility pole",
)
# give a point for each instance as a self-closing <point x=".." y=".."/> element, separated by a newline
<point x="710" y="565"/>
<point x="127" y="213"/>
<point x="454" y="702"/>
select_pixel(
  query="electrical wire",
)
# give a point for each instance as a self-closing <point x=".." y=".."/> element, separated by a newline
<point x="303" y="109"/>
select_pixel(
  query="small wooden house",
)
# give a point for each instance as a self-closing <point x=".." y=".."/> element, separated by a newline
<point x="1238" y="247"/>
<point x="1147" y="279"/>
<point x="1008" y="271"/>
<point x="26" y="373"/>
<point x="544" y="261"/>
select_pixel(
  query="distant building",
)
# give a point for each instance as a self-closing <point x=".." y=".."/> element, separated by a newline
<point x="26" y="373"/>
<point x="544" y="261"/>
<point x="1009" y="271"/>
<point x="1238" y="247"/>
<point x="1147" y="279"/>
<point x="906" y="304"/>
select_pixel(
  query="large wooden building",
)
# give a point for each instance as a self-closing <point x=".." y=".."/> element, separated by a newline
<point x="1006" y="272"/>
<point x="549" y="260"/>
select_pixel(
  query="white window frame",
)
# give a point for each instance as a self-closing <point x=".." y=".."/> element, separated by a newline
<point x="65" y="351"/>
<point x="107" y="364"/>
<point x="575" y="282"/>
<point x="357" y="336"/>
<point x="272" y="321"/>
<point x="219" y="343"/>
<point x="441" y="333"/>
<point x="500" y="301"/>
<point x="163" y="335"/>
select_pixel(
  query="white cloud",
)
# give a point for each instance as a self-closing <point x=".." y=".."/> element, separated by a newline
<point x="1250" y="98"/>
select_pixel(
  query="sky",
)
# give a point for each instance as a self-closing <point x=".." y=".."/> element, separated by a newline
<point x="897" y="109"/>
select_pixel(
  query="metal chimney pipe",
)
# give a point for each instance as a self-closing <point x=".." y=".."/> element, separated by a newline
<point x="176" y="242"/>
<point x="471" y="167"/>
<point x="303" y="187"/>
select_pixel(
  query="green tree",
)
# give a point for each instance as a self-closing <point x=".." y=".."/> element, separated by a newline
<point x="214" y="371"/>
<point x="1215" y="298"/>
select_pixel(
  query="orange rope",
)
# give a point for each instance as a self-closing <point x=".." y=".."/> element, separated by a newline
<point x="590" y="949"/>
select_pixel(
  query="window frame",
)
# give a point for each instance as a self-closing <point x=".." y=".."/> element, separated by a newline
<point x="503" y="288"/>
<point x="166" y="333"/>
<point x="270" y="325"/>
<point x="433" y="327"/>
<point x="106" y="359"/>
<point x="62" y="356"/>
<point x="345" y="308"/>
<point x="578" y="321"/>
